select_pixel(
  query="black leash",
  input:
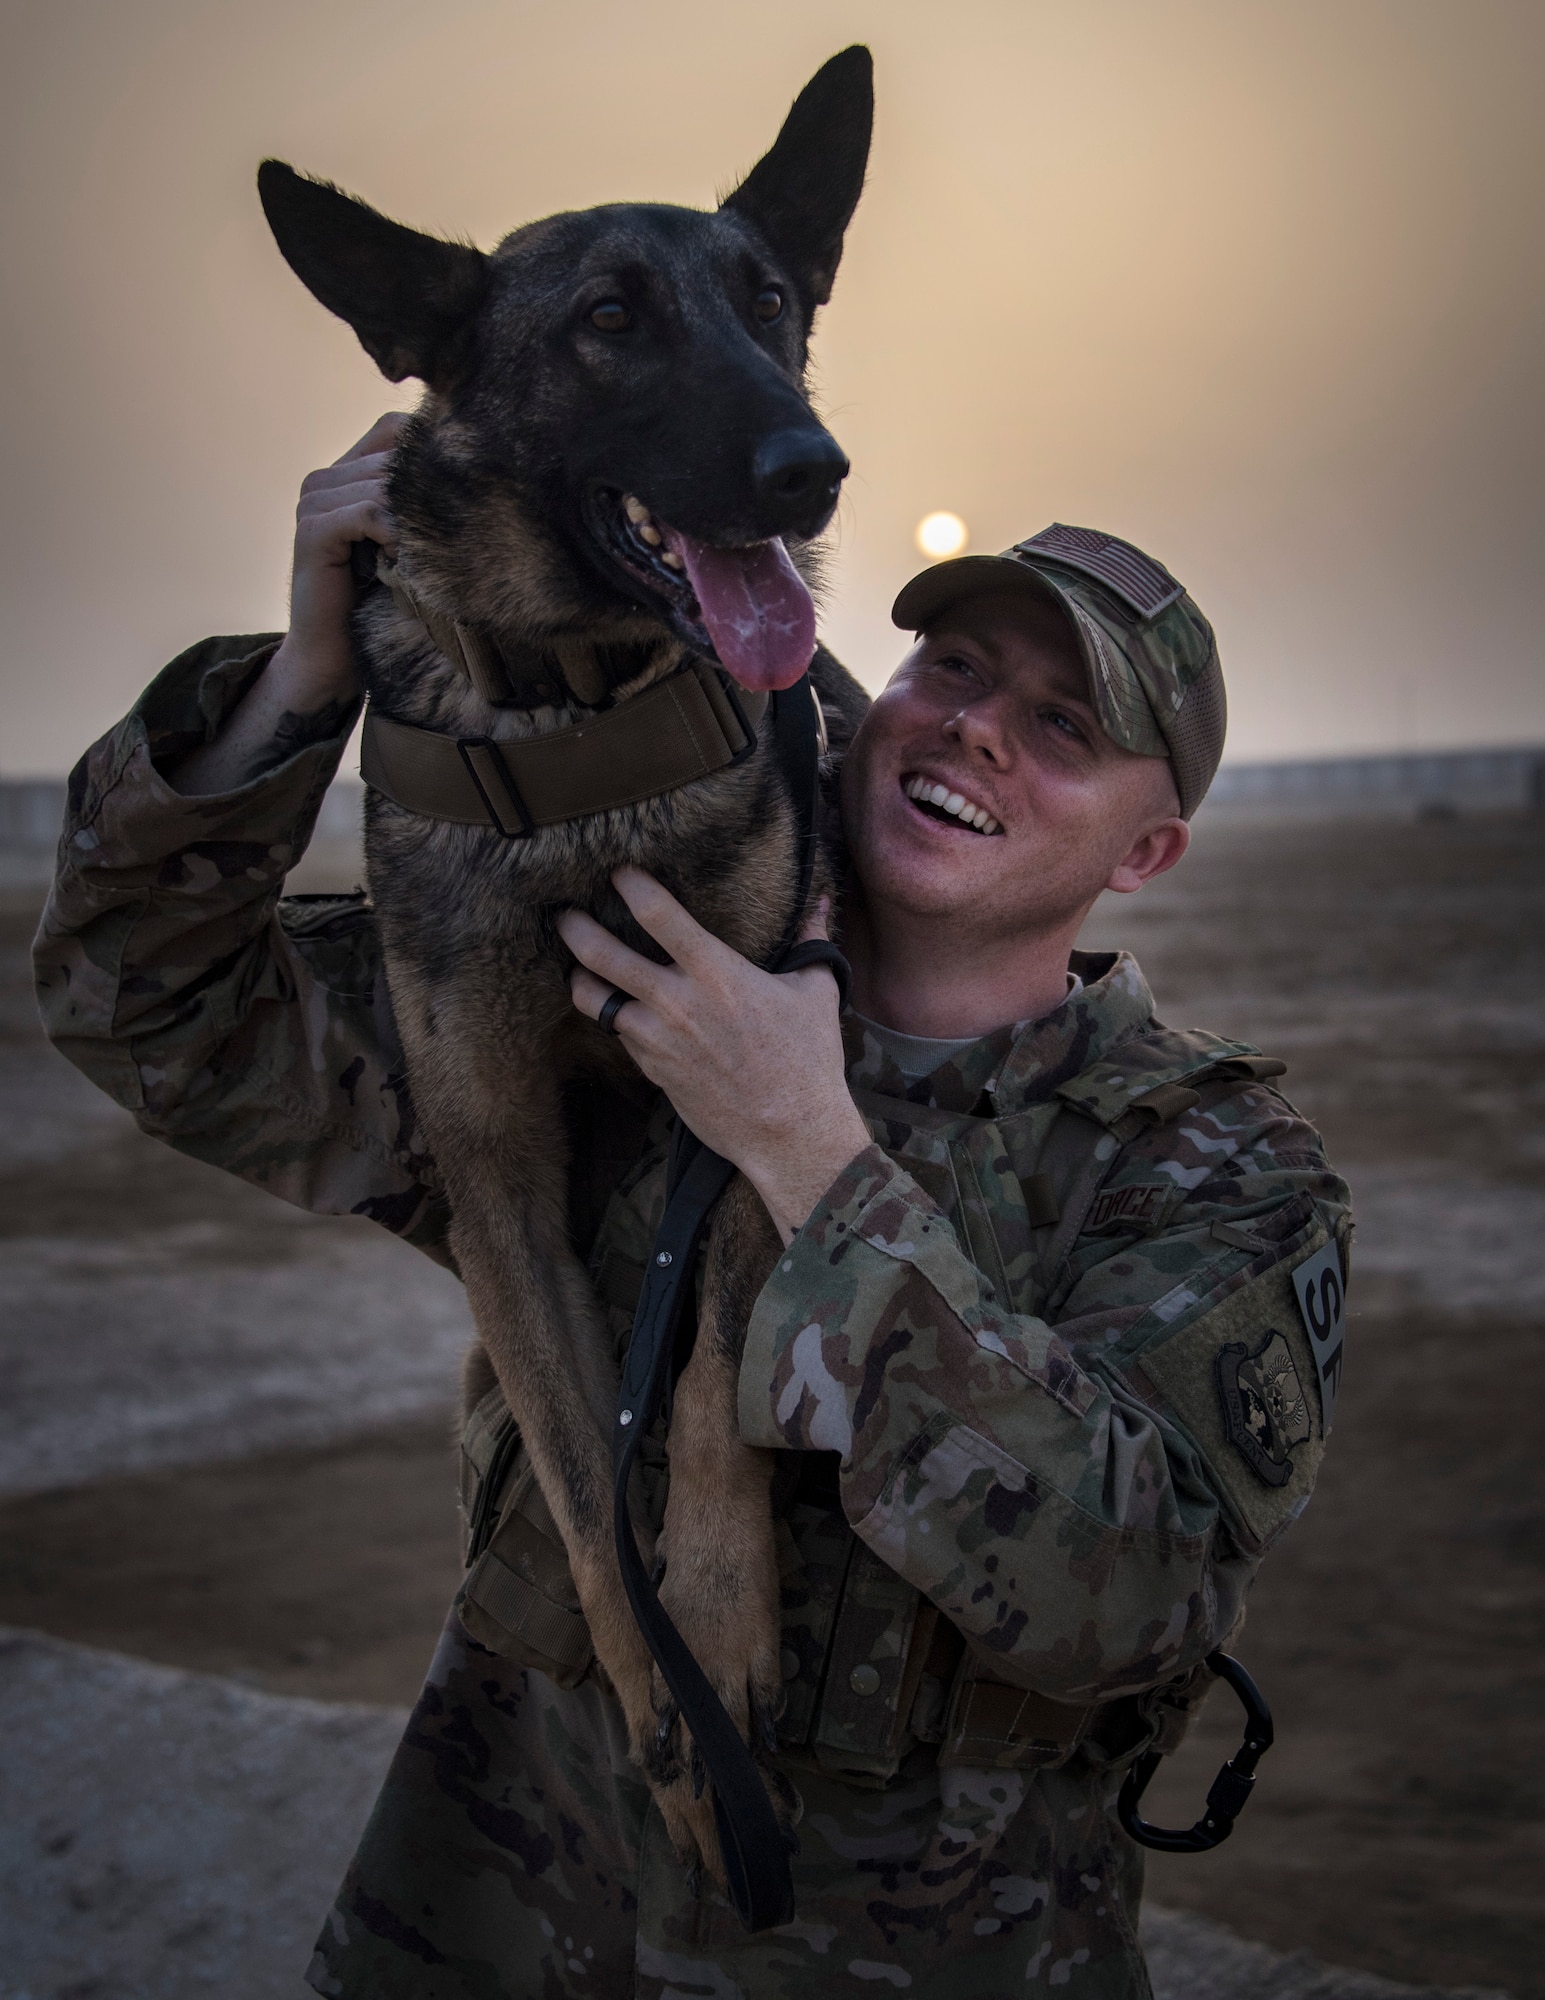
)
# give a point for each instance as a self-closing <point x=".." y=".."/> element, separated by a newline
<point x="755" y="1848"/>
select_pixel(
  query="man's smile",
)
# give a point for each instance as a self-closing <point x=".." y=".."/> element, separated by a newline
<point x="941" y="802"/>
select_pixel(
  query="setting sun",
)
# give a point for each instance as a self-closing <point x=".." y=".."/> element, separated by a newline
<point x="940" y="535"/>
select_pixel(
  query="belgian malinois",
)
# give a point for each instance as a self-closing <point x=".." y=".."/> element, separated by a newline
<point x="615" y="471"/>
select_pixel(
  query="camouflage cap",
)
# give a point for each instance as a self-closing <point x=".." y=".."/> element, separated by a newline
<point x="1154" y="675"/>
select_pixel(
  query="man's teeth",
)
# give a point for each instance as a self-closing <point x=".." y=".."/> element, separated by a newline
<point x="925" y="792"/>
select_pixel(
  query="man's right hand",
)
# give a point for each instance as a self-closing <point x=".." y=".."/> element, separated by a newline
<point x="310" y="686"/>
<point x="342" y="504"/>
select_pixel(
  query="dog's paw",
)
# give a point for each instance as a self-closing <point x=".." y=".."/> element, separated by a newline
<point x="734" y="1639"/>
<point x="753" y="1697"/>
<point x="686" y="1806"/>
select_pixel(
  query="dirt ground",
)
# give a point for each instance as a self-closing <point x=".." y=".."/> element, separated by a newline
<point x="1400" y="1821"/>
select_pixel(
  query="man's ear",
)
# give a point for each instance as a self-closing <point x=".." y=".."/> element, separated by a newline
<point x="1152" y="853"/>
<point x="802" y="194"/>
<point x="409" y="297"/>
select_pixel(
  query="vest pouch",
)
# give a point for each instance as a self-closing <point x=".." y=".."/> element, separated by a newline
<point x="882" y="1636"/>
<point x="994" y="1725"/>
<point x="518" y="1597"/>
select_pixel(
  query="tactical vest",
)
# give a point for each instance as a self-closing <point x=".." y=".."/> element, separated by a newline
<point x="871" y="1669"/>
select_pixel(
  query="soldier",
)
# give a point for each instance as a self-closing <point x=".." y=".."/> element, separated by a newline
<point x="1035" y="1359"/>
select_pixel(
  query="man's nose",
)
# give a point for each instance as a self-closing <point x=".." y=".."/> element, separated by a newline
<point x="795" y="477"/>
<point x="978" y="729"/>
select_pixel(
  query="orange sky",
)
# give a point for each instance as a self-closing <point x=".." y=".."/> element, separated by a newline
<point x="1257" y="285"/>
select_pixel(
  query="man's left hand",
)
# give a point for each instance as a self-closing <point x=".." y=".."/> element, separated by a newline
<point x="752" y="1060"/>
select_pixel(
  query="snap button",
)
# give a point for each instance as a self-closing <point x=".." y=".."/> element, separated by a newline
<point x="788" y="1663"/>
<point x="865" y="1679"/>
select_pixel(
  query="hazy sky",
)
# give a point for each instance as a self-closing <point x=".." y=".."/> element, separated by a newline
<point x="1256" y="283"/>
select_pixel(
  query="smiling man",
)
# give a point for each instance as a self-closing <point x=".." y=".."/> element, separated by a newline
<point x="1044" y="1361"/>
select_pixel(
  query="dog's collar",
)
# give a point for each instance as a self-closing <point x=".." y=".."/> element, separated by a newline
<point x="685" y="727"/>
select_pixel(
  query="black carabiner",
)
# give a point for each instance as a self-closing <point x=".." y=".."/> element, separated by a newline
<point x="1230" y="1789"/>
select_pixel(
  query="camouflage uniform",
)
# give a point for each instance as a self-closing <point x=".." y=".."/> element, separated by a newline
<point x="1035" y="1366"/>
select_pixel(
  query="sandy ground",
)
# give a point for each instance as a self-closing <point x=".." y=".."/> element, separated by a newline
<point x="227" y="1445"/>
<point x="154" y="1313"/>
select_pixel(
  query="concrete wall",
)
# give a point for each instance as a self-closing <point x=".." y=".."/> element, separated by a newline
<point x="1465" y="780"/>
<point x="32" y="809"/>
<point x="1511" y="780"/>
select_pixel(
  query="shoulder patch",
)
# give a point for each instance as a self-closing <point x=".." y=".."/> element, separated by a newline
<point x="1265" y="1407"/>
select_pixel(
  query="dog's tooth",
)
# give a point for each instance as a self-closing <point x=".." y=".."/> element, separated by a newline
<point x="647" y="532"/>
<point x="634" y="508"/>
<point x="937" y="794"/>
<point x="954" y="802"/>
<point x="671" y="560"/>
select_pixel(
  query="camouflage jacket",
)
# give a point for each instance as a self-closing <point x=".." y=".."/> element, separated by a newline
<point x="1038" y="1358"/>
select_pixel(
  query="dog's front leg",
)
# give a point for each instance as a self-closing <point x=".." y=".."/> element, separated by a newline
<point x="496" y="1130"/>
<point x="721" y="1571"/>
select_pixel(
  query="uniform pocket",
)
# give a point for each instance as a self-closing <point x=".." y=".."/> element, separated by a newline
<point x="518" y="1598"/>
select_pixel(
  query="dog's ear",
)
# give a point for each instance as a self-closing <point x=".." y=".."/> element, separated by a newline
<point x="409" y="297"/>
<point x="802" y="194"/>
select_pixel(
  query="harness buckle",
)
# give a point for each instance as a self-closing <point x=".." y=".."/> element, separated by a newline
<point x="747" y="727"/>
<point x="526" y="825"/>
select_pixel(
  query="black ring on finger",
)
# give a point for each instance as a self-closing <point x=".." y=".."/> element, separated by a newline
<point x="611" y="1007"/>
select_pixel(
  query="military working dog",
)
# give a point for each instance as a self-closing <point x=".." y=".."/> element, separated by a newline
<point x="614" y="480"/>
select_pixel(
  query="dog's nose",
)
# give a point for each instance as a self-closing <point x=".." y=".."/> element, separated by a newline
<point x="796" y="475"/>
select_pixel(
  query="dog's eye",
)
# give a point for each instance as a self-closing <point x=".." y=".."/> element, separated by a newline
<point x="611" y="316"/>
<point x="769" y="305"/>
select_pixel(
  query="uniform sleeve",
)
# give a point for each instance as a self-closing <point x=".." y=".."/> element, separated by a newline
<point x="253" y="1034"/>
<point x="1069" y="1495"/>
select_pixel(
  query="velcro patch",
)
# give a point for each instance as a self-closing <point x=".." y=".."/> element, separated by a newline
<point x="1247" y="1356"/>
<point x="1140" y="1205"/>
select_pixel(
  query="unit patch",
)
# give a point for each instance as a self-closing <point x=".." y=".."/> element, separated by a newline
<point x="1140" y="1206"/>
<point x="1322" y="1300"/>
<point x="1265" y="1408"/>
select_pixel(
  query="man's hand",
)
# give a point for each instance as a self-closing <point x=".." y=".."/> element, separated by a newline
<point x="309" y="687"/>
<point x="342" y="504"/>
<point x="752" y="1061"/>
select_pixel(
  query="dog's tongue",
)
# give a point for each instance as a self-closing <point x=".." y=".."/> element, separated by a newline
<point x="757" y="609"/>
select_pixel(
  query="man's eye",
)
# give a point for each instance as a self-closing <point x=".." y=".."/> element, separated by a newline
<point x="1066" y="724"/>
<point x="769" y="306"/>
<point x="611" y="316"/>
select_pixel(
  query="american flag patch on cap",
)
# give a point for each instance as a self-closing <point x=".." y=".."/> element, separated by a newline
<point x="1143" y="585"/>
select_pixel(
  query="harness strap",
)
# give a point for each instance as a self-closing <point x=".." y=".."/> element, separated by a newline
<point x="688" y="726"/>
